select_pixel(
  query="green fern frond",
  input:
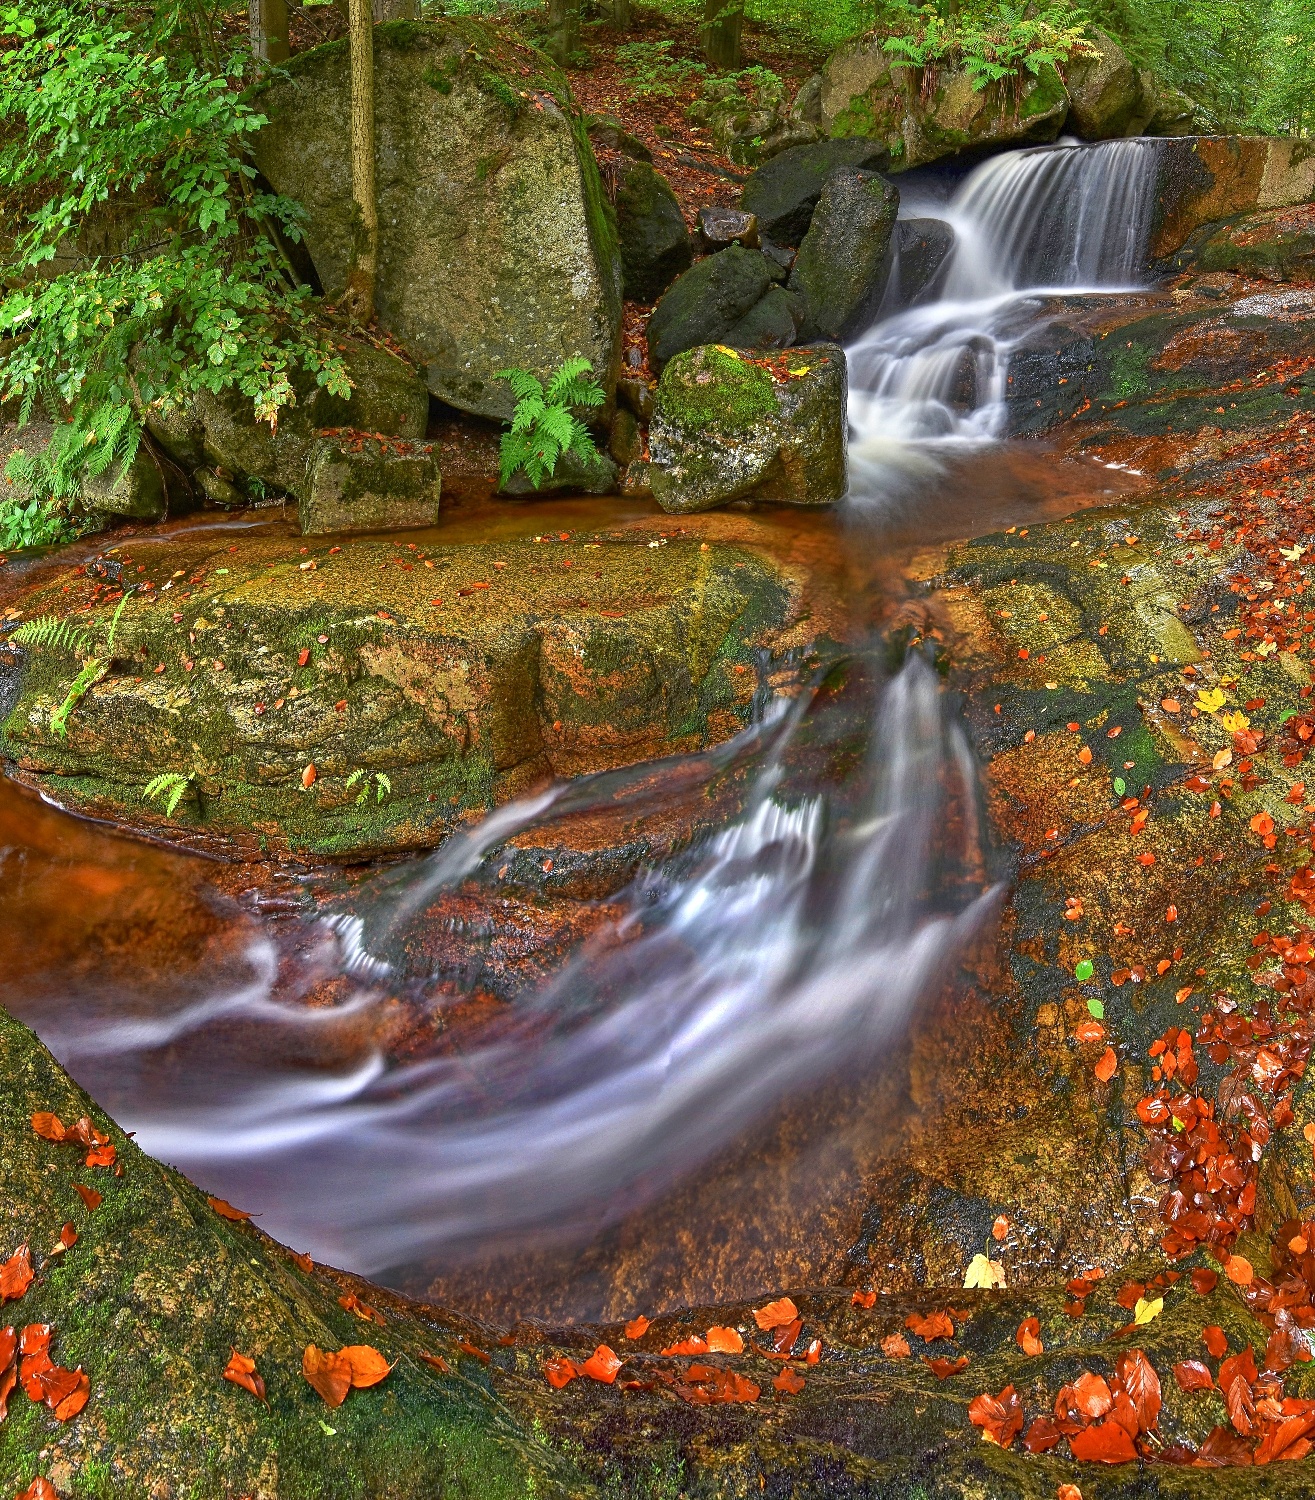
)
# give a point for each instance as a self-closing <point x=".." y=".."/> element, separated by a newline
<point x="544" y="425"/>
<point x="50" y="633"/>
<point x="383" y="787"/>
<point x="91" y="673"/>
<point x="524" y="385"/>
<point x="171" y="785"/>
<point x="114" y="623"/>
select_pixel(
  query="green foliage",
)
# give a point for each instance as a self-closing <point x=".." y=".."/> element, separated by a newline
<point x="93" y="669"/>
<point x="649" y="69"/>
<point x="50" y="633"/>
<point x="381" y="784"/>
<point x="123" y="151"/>
<point x="171" y="786"/>
<point x="544" y="425"/>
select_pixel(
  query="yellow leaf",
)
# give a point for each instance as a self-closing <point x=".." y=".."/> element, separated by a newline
<point x="1266" y="648"/>
<point x="1145" y="1311"/>
<point x="1210" y="701"/>
<point x="985" y="1273"/>
<point x="1234" y="722"/>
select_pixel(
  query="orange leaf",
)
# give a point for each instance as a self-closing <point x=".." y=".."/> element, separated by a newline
<point x="100" y="1156"/>
<point x="789" y="1382"/>
<point x="942" y="1369"/>
<point x="866" y="1299"/>
<point x="1262" y="824"/>
<point x="776" y="1314"/>
<point x="895" y="1346"/>
<point x="1028" y="1337"/>
<point x="1000" y="1229"/>
<point x="1204" y="1281"/>
<point x="308" y="776"/>
<point x="329" y="1374"/>
<point x="1090" y="1031"/>
<point x="241" y="1370"/>
<point x="227" y="1211"/>
<point x="16" y="1275"/>
<point x="1142" y="1384"/>
<point x="39" y="1489"/>
<point x="303" y="656"/>
<point x="724" y="1341"/>
<point x="89" y="1196"/>
<point x="68" y="1236"/>
<point x="368" y="1366"/>
<point x="302" y="1259"/>
<point x="1239" y="1270"/>
<point x="1193" y="1375"/>
<point x="479" y="1354"/>
<point x="1107" y="1443"/>
<point x="1000" y="1417"/>
<point x="1091" y="1395"/>
<point x="602" y="1365"/>
<point x="559" y="1372"/>
<point x="692" y="1345"/>
<point x="1068" y="1492"/>
<point x="49" y="1127"/>
<point x="636" y="1328"/>
<point x="1215" y="1340"/>
<point x="438" y="1362"/>
<point x="934" y="1326"/>
<point x="1108" y="1065"/>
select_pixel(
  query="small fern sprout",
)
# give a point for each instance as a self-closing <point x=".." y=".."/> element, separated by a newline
<point x="544" y="425"/>
<point x="171" y="786"/>
<point x="382" y="786"/>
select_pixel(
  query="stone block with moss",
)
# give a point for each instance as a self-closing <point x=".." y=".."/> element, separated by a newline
<point x="729" y="427"/>
<point x="846" y="258"/>
<point x="497" y="246"/>
<point x="371" y="488"/>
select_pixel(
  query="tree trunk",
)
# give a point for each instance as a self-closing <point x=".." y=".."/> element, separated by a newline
<point x="268" y="21"/>
<point x="723" y="21"/>
<point x="396" y="10"/>
<point x="358" y="301"/>
<point x="621" y="15"/>
<point x="564" y="30"/>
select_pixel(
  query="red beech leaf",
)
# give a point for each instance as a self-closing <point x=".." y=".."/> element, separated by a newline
<point x="933" y="1326"/>
<point x="1193" y="1375"/>
<point x="1106" y="1443"/>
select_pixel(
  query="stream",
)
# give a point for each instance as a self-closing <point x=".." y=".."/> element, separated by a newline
<point x="302" y="1044"/>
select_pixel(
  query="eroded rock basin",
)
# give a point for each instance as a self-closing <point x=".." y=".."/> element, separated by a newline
<point x="1132" y="823"/>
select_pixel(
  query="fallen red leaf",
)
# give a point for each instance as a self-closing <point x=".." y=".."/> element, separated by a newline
<point x="39" y="1489"/>
<point x="776" y="1314"/>
<point x="1215" y="1340"/>
<point x="1193" y="1375"/>
<point x="303" y="656"/>
<point x="100" y="1156"/>
<point x="329" y="1374"/>
<point x="942" y="1369"/>
<point x="362" y="1310"/>
<point x="1204" y="1281"/>
<point x="1042" y="1435"/>
<point x="1224" y="1449"/>
<point x="1028" y="1336"/>
<point x="227" y="1211"/>
<point x="16" y="1275"/>
<point x="241" y="1370"/>
<point x="724" y="1341"/>
<point x="438" y="1362"/>
<point x="692" y="1345"/>
<point x="1106" y="1443"/>
<point x="866" y="1299"/>
<point x="49" y="1127"/>
<point x="1286" y="1439"/>
<point x="303" y="1260"/>
<point x="90" y="1197"/>
<point x="601" y="1365"/>
<point x="1142" y="1385"/>
<point x="636" y="1328"/>
<point x="1238" y="1269"/>
<point x="1000" y="1417"/>
<point x="1091" y="1395"/>
<point x="789" y="1382"/>
<point x="895" y="1346"/>
<point x="1107" y="1066"/>
<point x="930" y="1327"/>
<point x="1068" y="1492"/>
<point x="559" y="1372"/>
<point x="479" y="1354"/>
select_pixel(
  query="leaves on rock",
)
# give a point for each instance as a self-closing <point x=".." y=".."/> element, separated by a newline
<point x="1000" y="1417"/>
<point x="241" y="1370"/>
<point x="776" y="1314"/>
<point x="931" y="1326"/>
<point x="1028" y="1337"/>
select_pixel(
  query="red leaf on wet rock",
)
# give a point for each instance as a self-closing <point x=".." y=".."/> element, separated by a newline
<point x="601" y="1365"/>
<point x="1091" y="1395"/>
<point x="1107" y="1066"/>
<point x="866" y="1299"/>
<point x="241" y="1370"/>
<point x="1028" y="1337"/>
<point x="1042" y="1435"/>
<point x="1215" y="1340"/>
<point x="895" y="1346"/>
<point x="636" y="1328"/>
<point x="776" y="1314"/>
<point x="328" y="1373"/>
<point x="724" y="1341"/>
<point x="559" y="1372"/>
<point x="1106" y="1443"/>
<point x="40" y="1489"/>
<point x="90" y="1197"/>
<point x="942" y="1369"/>
<point x="227" y="1211"/>
<point x="789" y="1382"/>
<point x="1142" y="1384"/>
<point x="1204" y="1281"/>
<point x="1193" y="1375"/>
<point x="16" y="1275"/>
<point x="694" y="1344"/>
<point x="49" y="1127"/>
<point x="930" y="1327"/>
<point x="1000" y="1417"/>
<point x="1286" y="1439"/>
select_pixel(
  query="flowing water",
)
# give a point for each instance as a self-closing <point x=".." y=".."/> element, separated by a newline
<point x="314" y="1053"/>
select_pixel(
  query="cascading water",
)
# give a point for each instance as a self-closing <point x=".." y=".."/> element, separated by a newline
<point x="782" y="954"/>
<point x="930" y="381"/>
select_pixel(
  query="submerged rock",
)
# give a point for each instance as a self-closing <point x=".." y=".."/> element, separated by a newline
<point x="655" y="243"/>
<point x="783" y="193"/>
<point x="729" y="428"/>
<point x="845" y="260"/>
<point x="496" y="245"/>
<point x="272" y="674"/>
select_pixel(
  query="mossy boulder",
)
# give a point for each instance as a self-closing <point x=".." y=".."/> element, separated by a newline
<point x="135" y="491"/>
<point x="373" y="487"/>
<point x="655" y="241"/>
<point x="864" y="94"/>
<point x="845" y="261"/>
<point x="1104" y="92"/>
<point x="219" y="436"/>
<point x="156" y="1293"/>
<point x="464" y="673"/>
<point x="730" y="428"/>
<point x="1276" y="243"/>
<point x="707" y="302"/>
<point x="496" y="244"/>
<point x="783" y="193"/>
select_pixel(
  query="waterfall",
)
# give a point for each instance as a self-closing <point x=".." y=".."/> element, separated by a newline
<point x="780" y="955"/>
<point x="1027" y="224"/>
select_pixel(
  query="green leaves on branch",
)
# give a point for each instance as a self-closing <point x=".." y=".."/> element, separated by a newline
<point x="544" y="426"/>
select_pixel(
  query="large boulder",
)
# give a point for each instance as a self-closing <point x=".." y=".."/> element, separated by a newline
<point x="922" y="250"/>
<point x="655" y="241"/>
<point x="1204" y="179"/>
<point x="706" y="303"/>
<point x="219" y="437"/>
<point x="783" y="192"/>
<point x="773" y="323"/>
<point x="1276" y="243"/>
<point x="496" y="244"/>
<point x="864" y="95"/>
<point x="1104" y="91"/>
<point x="727" y="428"/>
<point x="843" y="265"/>
<point x="372" y="485"/>
<point x="465" y="674"/>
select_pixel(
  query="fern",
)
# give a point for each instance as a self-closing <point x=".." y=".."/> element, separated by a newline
<point x="92" y="672"/>
<point x="171" y="785"/>
<point x="114" y="623"/>
<point x="382" y="786"/>
<point x="50" y="633"/>
<point x="543" y="426"/>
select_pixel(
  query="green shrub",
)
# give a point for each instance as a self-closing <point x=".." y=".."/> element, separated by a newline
<point x="544" y="426"/>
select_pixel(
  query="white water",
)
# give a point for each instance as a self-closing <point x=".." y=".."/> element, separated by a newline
<point x="929" y="382"/>
<point x="785" y="956"/>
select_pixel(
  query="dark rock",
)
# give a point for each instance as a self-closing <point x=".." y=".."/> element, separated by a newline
<point x="720" y="227"/>
<point x="572" y="476"/>
<point x="1277" y="243"/>
<point x="922" y="248"/>
<point x="773" y="323"/>
<point x="781" y="258"/>
<point x="1204" y="179"/>
<point x="624" y="442"/>
<point x="784" y="191"/>
<point x="636" y="395"/>
<point x="707" y="302"/>
<point x="368" y="489"/>
<point x="844" y="262"/>
<point x="728" y="430"/>
<point x="655" y="244"/>
<point x="608" y="134"/>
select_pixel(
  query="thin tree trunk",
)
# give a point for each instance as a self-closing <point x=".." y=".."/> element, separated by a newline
<point x="268" y="21"/>
<point x="723" y="21"/>
<point x="621" y="15"/>
<point x="396" y="10"/>
<point x="563" y="29"/>
<point x="358" y="300"/>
